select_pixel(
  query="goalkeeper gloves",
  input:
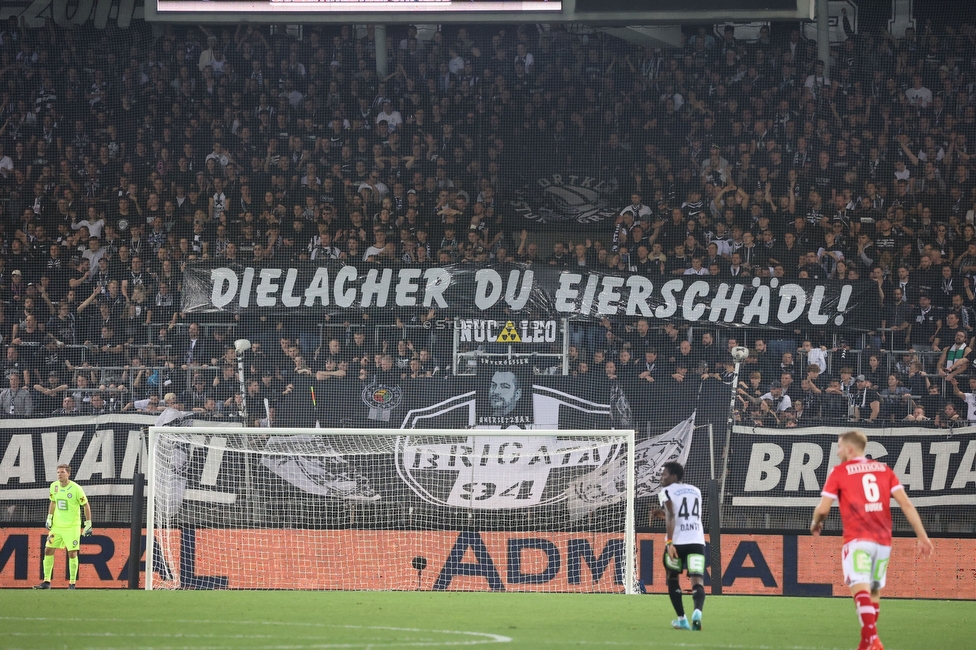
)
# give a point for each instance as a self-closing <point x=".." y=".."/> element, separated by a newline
<point x="50" y="522"/>
<point x="87" y="530"/>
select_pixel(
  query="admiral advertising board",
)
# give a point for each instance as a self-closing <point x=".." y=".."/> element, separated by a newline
<point x="788" y="565"/>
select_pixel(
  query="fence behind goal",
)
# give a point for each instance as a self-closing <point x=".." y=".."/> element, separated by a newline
<point x="399" y="510"/>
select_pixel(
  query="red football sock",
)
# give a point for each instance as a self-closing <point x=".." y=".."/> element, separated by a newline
<point x="877" y="612"/>
<point x="868" y="616"/>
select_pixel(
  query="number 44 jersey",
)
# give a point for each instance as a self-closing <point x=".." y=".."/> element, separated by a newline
<point x="864" y="488"/>
<point x="686" y="503"/>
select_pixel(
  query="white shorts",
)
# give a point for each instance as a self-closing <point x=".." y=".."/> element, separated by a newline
<point x="865" y="562"/>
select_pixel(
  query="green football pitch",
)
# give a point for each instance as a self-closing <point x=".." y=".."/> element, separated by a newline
<point x="293" y="620"/>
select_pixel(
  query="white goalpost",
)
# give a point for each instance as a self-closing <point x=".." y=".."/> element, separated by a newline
<point x="391" y="509"/>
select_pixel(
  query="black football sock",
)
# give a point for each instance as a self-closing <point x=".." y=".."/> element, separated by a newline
<point x="698" y="596"/>
<point x="674" y="591"/>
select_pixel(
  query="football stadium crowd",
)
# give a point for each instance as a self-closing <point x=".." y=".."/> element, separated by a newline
<point x="126" y="155"/>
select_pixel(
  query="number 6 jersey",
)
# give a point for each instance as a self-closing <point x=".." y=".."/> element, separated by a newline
<point x="686" y="503"/>
<point x="864" y="488"/>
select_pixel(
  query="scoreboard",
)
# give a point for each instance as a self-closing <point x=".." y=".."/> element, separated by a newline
<point x="600" y="12"/>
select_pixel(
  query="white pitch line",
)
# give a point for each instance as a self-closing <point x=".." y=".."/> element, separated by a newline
<point x="723" y="646"/>
<point x="484" y="638"/>
<point x="140" y="635"/>
<point x="326" y="646"/>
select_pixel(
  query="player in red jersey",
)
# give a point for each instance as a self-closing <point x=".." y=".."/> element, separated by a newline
<point x="865" y="488"/>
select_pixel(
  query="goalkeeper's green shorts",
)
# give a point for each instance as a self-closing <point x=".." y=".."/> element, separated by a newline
<point x="66" y="538"/>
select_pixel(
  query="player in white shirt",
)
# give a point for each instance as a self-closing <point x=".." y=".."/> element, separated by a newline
<point x="681" y="507"/>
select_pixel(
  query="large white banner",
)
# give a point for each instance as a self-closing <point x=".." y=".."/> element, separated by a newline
<point x="522" y="291"/>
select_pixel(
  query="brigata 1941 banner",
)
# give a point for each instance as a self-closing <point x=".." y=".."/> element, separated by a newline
<point x="535" y="291"/>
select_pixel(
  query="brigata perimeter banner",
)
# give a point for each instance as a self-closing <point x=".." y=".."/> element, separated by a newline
<point x="789" y="565"/>
<point x="516" y="290"/>
<point x="777" y="468"/>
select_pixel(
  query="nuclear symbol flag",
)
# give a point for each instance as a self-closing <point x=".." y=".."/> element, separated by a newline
<point x="509" y="334"/>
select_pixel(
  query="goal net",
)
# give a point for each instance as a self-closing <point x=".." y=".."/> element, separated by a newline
<point x="391" y="509"/>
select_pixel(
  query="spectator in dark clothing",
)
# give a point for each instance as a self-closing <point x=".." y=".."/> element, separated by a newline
<point x="194" y="351"/>
<point x="926" y="325"/>
<point x="867" y="401"/>
<point x="226" y="384"/>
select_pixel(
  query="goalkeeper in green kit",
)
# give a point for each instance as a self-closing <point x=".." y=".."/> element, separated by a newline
<point x="64" y="522"/>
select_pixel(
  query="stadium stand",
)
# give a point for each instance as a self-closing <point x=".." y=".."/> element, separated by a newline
<point x="127" y="155"/>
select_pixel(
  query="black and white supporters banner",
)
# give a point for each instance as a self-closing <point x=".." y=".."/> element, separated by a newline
<point x="466" y="291"/>
<point x="776" y="469"/>
<point x="104" y="452"/>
